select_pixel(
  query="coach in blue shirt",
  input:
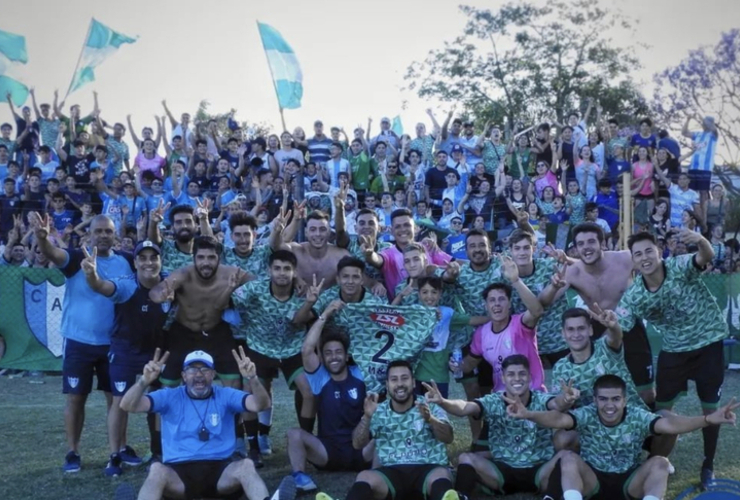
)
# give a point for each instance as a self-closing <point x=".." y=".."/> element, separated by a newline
<point x="198" y="437"/>
<point x="138" y="330"/>
<point x="87" y="322"/>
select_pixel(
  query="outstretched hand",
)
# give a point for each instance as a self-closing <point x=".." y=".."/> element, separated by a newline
<point x="154" y="367"/>
<point x="246" y="367"/>
<point x="89" y="264"/>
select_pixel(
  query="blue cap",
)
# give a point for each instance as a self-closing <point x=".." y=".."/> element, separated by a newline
<point x="457" y="148"/>
<point x="144" y="245"/>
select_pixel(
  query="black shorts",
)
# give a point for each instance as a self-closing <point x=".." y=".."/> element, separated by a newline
<point x="218" y="342"/>
<point x="342" y="456"/>
<point x="518" y="480"/>
<point x="124" y="367"/>
<point x="267" y="367"/>
<point x="700" y="180"/>
<point x="406" y="482"/>
<point x="638" y="356"/>
<point x="705" y="366"/>
<point x="201" y="477"/>
<point x="80" y="362"/>
<point x="614" y="485"/>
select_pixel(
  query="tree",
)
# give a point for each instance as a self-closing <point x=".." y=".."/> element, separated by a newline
<point x="203" y="116"/>
<point x="526" y="63"/>
<point x="706" y="83"/>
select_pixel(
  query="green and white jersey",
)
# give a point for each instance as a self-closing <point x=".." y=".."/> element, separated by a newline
<point x="266" y="322"/>
<point x="549" y="336"/>
<point x="515" y="442"/>
<point x="603" y="361"/>
<point x="472" y="283"/>
<point x="256" y="262"/>
<point x="381" y="334"/>
<point x="683" y="309"/>
<point x="173" y="258"/>
<point x="333" y="293"/>
<point x="354" y="249"/>
<point x="405" y="438"/>
<point x="617" y="448"/>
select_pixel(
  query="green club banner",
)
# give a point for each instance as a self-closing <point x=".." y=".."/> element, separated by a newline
<point x="31" y="305"/>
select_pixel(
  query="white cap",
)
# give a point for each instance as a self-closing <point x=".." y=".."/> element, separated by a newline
<point x="198" y="357"/>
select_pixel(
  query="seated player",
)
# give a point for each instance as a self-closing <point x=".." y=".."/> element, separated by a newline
<point x="198" y="437"/>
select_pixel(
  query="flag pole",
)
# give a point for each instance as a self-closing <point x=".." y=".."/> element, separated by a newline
<point x="79" y="59"/>
<point x="272" y="76"/>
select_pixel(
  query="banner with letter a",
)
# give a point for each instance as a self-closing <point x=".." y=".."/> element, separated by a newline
<point x="31" y="304"/>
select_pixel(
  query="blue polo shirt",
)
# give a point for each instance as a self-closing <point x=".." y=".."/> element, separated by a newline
<point x="139" y="320"/>
<point x="183" y="417"/>
<point x="87" y="316"/>
<point x="339" y="403"/>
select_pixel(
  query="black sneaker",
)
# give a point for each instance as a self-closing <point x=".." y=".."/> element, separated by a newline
<point x="707" y="478"/>
<point x="256" y="457"/>
<point x="114" y="469"/>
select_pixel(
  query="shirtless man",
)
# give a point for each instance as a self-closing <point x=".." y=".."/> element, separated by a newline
<point x="316" y="257"/>
<point x="202" y="292"/>
<point x="601" y="278"/>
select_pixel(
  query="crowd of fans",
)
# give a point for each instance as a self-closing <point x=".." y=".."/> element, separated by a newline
<point x="454" y="178"/>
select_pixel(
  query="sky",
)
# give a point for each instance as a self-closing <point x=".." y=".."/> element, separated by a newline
<point x="353" y="53"/>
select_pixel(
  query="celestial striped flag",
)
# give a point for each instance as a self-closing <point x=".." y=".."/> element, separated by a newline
<point x="284" y="67"/>
<point x="397" y="126"/>
<point x="101" y="43"/>
<point x="12" y="54"/>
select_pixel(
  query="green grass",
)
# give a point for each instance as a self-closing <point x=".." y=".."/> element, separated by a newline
<point x="33" y="445"/>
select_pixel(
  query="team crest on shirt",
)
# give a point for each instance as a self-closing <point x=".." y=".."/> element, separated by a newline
<point x="352" y="393"/>
<point x="418" y="424"/>
<point x="120" y="386"/>
<point x="214" y="419"/>
<point x="73" y="381"/>
<point x="166" y="307"/>
<point x="621" y="312"/>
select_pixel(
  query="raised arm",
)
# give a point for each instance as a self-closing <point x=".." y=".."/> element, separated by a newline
<point x="156" y="216"/>
<point x="685" y="130"/>
<point x="309" y="354"/>
<point x="42" y="230"/>
<point x="705" y="255"/>
<point x="57" y="107"/>
<point x="457" y="407"/>
<point x="134" y="137"/>
<point x="550" y="419"/>
<point x="361" y="434"/>
<point x="90" y="268"/>
<point x="534" y="309"/>
<point x="609" y="319"/>
<point x="36" y="110"/>
<point x="134" y="401"/>
<point x="446" y="124"/>
<point x="340" y="223"/>
<point x="166" y="289"/>
<point x="174" y="123"/>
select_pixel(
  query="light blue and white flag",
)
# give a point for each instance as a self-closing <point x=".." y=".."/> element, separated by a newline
<point x="13" y="55"/>
<point x="101" y="43"/>
<point x="286" y="72"/>
<point x="397" y="126"/>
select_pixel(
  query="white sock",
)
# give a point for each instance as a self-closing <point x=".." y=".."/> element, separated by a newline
<point x="650" y="497"/>
<point x="572" y="495"/>
<point x="265" y="417"/>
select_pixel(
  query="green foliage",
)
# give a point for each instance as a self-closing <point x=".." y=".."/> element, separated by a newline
<point x="528" y="63"/>
<point x="251" y="129"/>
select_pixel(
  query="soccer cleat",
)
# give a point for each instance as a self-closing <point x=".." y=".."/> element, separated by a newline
<point x="114" y="468"/>
<point x="323" y="496"/>
<point x="707" y="478"/>
<point x="304" y="482"/>
<point x="286" y="490"/>
<point x="129" y="456"/>
<point x="265" y="444"/>
<point x="125" y="492"/>
<point x="256" y="457"/>
<point x="72" y="462"/>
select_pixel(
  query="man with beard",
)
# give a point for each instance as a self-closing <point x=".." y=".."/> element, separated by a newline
<point x="202" y="291"/>
<point x="612" y="432"/>
<point x="340" y="392"/>
<point x="245" y="254"/>
<point x="198" y="448"/>
<point x="138" y="331"/>
<point x="316" y="257"/>
<point x="601" y="278"/>
<point x="519" y="456"/>
<point x="178" y="253"/>
<point x="410" y="443"/>
<point x="88" y="320"/>
<point x="274" y="320"/>
<point x="366" y="227"/>
<point x="390" y="259"/>
<point x="672" y="295"/>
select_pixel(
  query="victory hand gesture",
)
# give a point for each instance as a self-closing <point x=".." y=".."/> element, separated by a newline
<point x="89" y="264"/>
<point x="605" y="317"/>
<point x="515" y="408"/>
<point x="312" y="295"/>
<point x="371" y="404"/>
<point x="570" y="393"/>
<point x="154" y="367"/>
<point x="432" y="393"/>
<point x="247" y="368"/>
<point x="724" y="414"/>
<point x="42" y="225"/>
<point x="157" y="215"/>
<point x="509" y="268"/>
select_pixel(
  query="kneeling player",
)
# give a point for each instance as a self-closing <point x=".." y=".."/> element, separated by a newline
<point x="611" y="433"/>
<point x="340" y="394"/>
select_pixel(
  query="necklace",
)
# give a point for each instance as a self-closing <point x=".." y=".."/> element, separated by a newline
<point x="203" y="433"/>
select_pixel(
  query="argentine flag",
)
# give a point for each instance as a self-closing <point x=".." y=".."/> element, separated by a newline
<point x="286" y="72"/>
<point x="13" y="54"/>
<point x="100" y="44"/>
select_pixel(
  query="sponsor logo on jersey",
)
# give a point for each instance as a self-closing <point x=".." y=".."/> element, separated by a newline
<point x="389" y="320"/>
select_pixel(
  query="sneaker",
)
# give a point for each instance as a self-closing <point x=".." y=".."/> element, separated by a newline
<point x="125" y="492"/>
<point x="129" y="457"/>
<point x="323" y="496"/>
<point x="114" y="467"/>
<point x="265" y="444"/>
<point x="256" y="457"/>
<point x="451" y="495"/>
<point x="286" y="490"/>
<point x="707" y="478"/>
<point x="72" y="462"/>
<point x="303" y="481"/>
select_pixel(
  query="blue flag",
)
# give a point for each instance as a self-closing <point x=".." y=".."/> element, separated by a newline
<point x="12" y="54"/>
<point x="286" y="72"/>
<point x="18" y="91"/>
<point x="397" y="126"/>
<point x="101" y="43"/>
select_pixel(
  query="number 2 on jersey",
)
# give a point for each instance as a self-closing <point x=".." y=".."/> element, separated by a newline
<point x="390" y="338"/>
